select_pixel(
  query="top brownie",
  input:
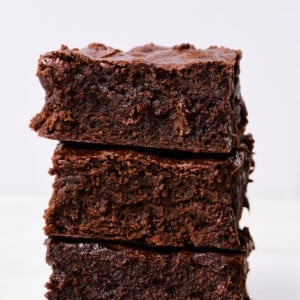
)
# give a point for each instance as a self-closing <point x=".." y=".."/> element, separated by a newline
<point x="178" y="98"/>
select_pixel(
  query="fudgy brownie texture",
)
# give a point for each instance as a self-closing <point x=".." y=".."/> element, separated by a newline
<point x="99" y="270"/>
<point x="179" y="98"/>
<point x="153" y="199"/>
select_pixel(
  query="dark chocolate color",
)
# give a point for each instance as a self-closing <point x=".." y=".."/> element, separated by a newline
<point x="94" y="271"/>
<point x="154" y="199"/>
<point x="179" y="98"/>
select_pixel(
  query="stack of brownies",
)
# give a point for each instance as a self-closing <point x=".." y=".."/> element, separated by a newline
<point x="150" y="173"/>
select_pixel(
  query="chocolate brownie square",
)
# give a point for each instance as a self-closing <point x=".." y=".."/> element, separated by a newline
<point x="99" y="270"/>
<point x="179" y="98"/>
<point x="157" y="198"/>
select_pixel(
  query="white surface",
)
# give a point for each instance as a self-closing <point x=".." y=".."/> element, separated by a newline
<point x="267" y="31"/>
<point x="275" y="264"/>
<point x="23" y="271"/>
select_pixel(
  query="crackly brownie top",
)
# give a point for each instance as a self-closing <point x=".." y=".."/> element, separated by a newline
<point x="179" y="160"/>
<point x="174" y="57"/>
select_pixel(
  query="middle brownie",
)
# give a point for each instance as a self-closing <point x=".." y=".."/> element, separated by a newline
<point x="149" y="198"/>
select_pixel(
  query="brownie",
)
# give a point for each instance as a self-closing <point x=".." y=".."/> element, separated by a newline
<point x="179" y="98"/>
<point x="156" y="198"/>
<point x="101" y="270"/>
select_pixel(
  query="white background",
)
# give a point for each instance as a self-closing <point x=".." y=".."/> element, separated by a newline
<point x="268" y="32"/>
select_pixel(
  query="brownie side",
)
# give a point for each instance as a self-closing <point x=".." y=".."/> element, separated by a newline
<point x="99" y="270"/>
<point x="154" y="199"/>
<point x="178" y="98"/>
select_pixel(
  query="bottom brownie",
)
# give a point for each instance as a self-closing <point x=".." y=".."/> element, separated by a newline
<point x="94" y="270"/>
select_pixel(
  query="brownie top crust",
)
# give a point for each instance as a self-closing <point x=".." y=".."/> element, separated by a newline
<point x="179" y="159"/>
<point x="94" y="246"/>
<point x="176" y="57"/>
